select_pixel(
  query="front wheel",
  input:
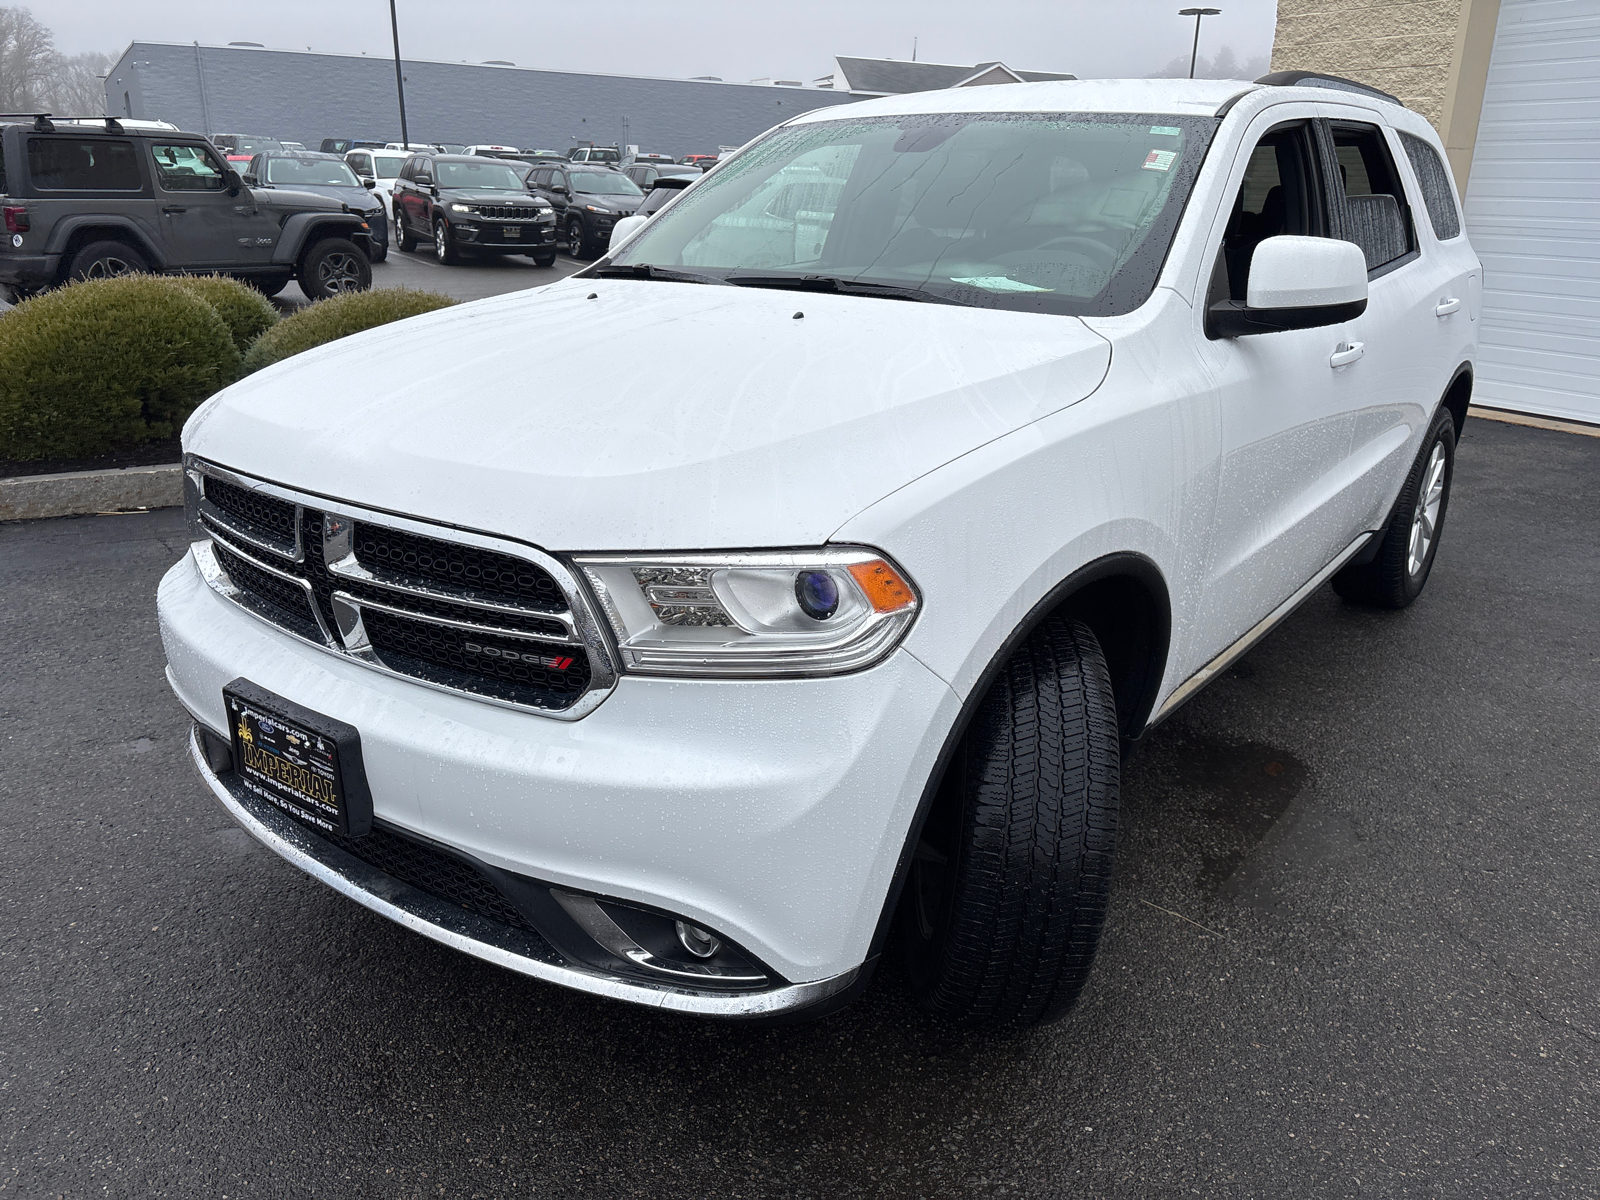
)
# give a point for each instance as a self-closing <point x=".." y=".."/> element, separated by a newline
<point x="403" y="237"/>
<point x="544" y="260"/>
<point x="332" y="267"/>
<point x="444" y="245"/>
<point x="1009" y="883"/>
<point x="1397" y="573"/>
<point x="577" y="241"/>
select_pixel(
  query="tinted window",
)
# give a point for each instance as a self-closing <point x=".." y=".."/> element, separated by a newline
<point x="66" y="165"/>
<point x="361" y="164"/>
<point x="1067" y="213"/>
<point x="489" y="174"/>
<point x="1278" y="195"/>
<point x="255" y="145"/>
<point x="388" y="165"/>
<point x="187" y="168"/>
<point x="1437" y="194"/>
<point x="1375" y="209"/>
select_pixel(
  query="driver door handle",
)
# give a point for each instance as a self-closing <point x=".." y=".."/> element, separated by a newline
<point x="1346" y="353"/>
<point x="174" y="208"/>
<point x="1446" y="306"/>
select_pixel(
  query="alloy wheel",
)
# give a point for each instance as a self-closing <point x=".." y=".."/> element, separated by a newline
<point x="440" y="233"/>
<point x="108" y="268"/>
<point x="1425" y="517"/>
<point x="339" y="272"/>
<point x="575" y="238"/>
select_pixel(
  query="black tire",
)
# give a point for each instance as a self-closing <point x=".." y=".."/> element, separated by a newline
<point x="444" y="243"/>
<point x="1399" y="570"/>
<point x="380" y="251"/>
<point x="544" y="260"/>
<point x="403" y="237"/>
<point x="577" y="238"/>
<point x="333" y="266"/>
<point x="104" y="260"/>
<point x="1007" y="895"/>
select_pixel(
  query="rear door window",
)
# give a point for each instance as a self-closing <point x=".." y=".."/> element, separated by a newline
<point x="87" y="165"/>
<point x="1437" y="195"/>
<point x="1375" y="213"/>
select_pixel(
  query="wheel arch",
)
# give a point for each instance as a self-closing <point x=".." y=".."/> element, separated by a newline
<point x="1123" y="598"/>
<point x="73" y="233"/>
<point x="302" y="230"/>
<point x="1458" y="396"/>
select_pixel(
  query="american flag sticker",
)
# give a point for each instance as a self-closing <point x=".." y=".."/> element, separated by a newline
<point x="1160" y="160"/>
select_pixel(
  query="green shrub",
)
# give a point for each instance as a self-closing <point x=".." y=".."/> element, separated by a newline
<point x="246" y="312"/>
<point x="337" y="317"/>
<point x="107" y="362"/>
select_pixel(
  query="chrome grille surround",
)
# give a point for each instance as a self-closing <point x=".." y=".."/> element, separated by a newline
<point x="558" y="634"/>
<point x="507" y="212"/>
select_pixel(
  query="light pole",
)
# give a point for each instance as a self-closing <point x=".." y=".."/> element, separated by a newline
<point x="400" y="79"/>
<point x="1196" y="13"/>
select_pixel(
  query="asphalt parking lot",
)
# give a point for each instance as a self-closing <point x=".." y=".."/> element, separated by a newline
<point x="1353" y="943"/>
<point x="472" y="279"/>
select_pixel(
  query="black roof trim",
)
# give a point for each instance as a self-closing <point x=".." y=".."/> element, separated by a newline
<point x="1333" y="83"/>
<point x="1230" y="102"/>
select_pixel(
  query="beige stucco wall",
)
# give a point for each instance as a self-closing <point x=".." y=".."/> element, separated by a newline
<point x="1432" y="54"/>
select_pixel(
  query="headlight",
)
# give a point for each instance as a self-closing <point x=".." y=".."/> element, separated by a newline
<point x="466" y="208"/>
<point x="781" y="613"/>
<point x="595" y="208"/>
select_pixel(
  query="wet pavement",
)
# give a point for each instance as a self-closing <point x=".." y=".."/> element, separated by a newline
<point x="1353" y="943"/>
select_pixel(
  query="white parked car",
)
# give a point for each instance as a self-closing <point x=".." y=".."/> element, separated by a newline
<point x="380" y="166"/>
<point x="1017" y="414"/>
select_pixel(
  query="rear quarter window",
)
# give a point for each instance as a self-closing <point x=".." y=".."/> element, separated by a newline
<point x="1437" y="195"/>
<point x="87" y="165"/>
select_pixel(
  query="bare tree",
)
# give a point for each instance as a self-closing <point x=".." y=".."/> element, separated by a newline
<point x="1224" y="64"/>
<point x="27" y="60"/>
<point x="77" y="85"/>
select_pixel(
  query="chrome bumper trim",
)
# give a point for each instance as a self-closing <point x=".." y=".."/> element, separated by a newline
<point x="461" y="930"/>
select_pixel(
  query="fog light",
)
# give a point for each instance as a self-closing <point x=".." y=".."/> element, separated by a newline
<point x="697" y="941"/>
<point x="817" y="593"/>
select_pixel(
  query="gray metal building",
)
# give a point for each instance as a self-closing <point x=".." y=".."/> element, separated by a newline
<point x="306" y="97"/>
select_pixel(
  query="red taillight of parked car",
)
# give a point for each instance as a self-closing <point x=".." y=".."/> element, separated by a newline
<point x="16" y="219"/>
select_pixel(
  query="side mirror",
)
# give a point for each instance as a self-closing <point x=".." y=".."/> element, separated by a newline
<point x="559" y="189"/>
<point x="231" y="178"/>
<point x="1295" y="283"/>
<point x="369" y="184"/>
<point x="625" y="229"/>
<point x="251" y="181"/>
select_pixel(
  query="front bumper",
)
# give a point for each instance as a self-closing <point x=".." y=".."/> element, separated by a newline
<point x="490" y="235"/>
<point x="771" y="812"/>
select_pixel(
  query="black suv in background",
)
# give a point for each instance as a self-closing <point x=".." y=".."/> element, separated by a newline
<point x="323" y="175"/>
<point x="461" y="202"/>
<point x="85" y="200"/>
<point x="589" y="201"/>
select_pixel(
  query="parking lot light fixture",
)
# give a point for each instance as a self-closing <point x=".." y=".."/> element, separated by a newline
<point x="399" y="75"/>
<point x="1197" y="14"/>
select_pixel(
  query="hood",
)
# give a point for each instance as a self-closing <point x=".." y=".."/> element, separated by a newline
<point x="610" y="200"/>
<point x="296" y="199"/>
<point x="470" y="196"/>
<point x="769" y="430"/>
<point x="358" y="198"/>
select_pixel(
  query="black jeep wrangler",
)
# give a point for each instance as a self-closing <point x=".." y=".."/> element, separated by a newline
<point x="87" y="198"/>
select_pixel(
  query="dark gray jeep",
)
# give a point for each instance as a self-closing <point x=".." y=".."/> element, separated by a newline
<point x="88" y="198"/>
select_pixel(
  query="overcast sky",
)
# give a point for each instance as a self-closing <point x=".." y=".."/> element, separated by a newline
<point x="735" y="39"/>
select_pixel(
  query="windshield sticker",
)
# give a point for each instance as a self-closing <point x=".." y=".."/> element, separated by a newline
<point x="1166" y="130"/>
<point x="999" y="283"/>
<point x="1160" y="160"/>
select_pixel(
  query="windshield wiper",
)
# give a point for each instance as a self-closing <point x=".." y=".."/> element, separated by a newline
<point x="651" y="271"/>
<point x="833" y="283"/>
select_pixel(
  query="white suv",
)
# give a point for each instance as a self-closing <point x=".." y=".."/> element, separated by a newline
<point x="1016" y="414"/>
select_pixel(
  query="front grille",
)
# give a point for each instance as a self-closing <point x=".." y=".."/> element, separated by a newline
<point x="479" y="573"/>
<point x="278" y="600"/>
<point x="503" y="212"/>
<point x="413" y="577"/>
<point x="264" y="516"/>
<point x="430" y="869"/>
<point x="539" y="674"/>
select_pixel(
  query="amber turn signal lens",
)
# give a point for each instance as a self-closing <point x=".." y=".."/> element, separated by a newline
<point x="882" y="585"/>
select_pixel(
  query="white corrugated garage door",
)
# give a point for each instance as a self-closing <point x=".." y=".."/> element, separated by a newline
<point x="1533" y="211"/>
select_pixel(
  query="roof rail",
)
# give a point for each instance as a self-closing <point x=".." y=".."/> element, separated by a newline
<point x="111" y="123"/>
<point x="1334" y="83"/>
<point x="41" y="121"/>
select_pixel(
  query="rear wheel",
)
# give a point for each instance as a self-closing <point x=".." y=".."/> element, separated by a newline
<point x="1399" y="570"/>
<point x="105" y="260"/>
<point x="1008" y="888"/>
<point x="332" y="267"/>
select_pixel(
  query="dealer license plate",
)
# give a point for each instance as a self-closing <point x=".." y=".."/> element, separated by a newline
<point x="512" y="231"/>
<point x="306" y="764"/>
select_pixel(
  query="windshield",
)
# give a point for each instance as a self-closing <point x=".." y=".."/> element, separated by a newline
<point x="255" y="145"/>
<point x="604" y="183"/>
<point x="1067" y="213"/>
<point x="486" y="176"/>
<point x="388" y="165"/>
<point x="324" y="172"/>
